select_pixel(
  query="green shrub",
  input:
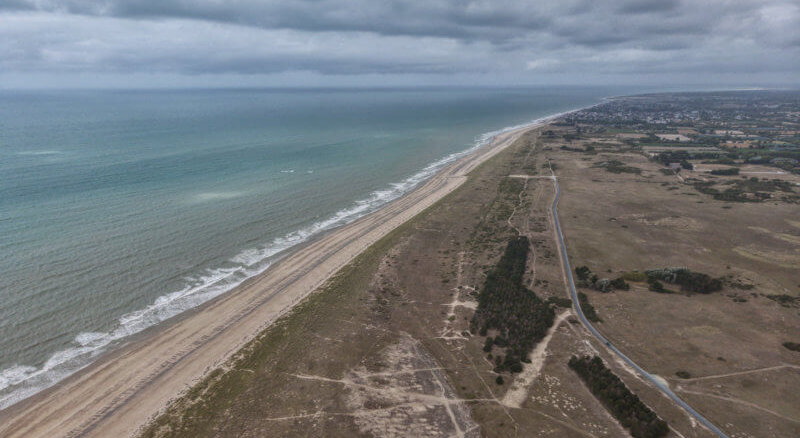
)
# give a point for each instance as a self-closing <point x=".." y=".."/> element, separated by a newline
<point x="635" y="276"/>
<point x="487" y="346"/>
<point x="588" y="309"/>
<point x="656" y="286"/>
<point x="587" y="279"/>
<point x="602" y="285"/>
<point x="794" y="346"/>
<point x="616" y="166"/>
<point x="784" y="300"/>
<point x="560" y="302"/>
<point x="688" y="280"/>
<point x="583" y="272"/>
<point x="728" y="171"/>
<point x="620" y="283"/>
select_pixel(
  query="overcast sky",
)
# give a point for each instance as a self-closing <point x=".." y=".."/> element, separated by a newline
<point x="143" y="43"/>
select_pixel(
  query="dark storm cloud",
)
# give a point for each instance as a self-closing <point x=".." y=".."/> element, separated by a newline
<point x="440" y="37"/>
<point x="492" y="20"/>
<point x="406" y="17"/>
<point x="576" y="21"/>
<point x="646" y="6"/>
<point x="19" y="5"/>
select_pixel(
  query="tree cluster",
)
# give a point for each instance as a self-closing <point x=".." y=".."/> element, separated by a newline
<point x="721" y="160"/>
<point x="617" y="398"/>
<point x="588" y="149"/>
<point x="587" y="308"/>
<point x="667" y="157"/>
<point x="785" y="300"/>
<point x="514" y="311"/>
<point x="688" y="281"/>
<point x="616" y="166"/>
<point x="657" y="286"/>
<point x="730" y="194"/>
<point x="727" y="171"/>
<point x="587" y="279"/>
<point x="559" y="302"/>
<point x="748" y="190"/>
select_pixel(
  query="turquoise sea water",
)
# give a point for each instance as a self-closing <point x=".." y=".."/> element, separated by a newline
<point x="120" y="209"/>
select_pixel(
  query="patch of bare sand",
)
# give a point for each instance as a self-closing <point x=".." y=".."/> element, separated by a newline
<point x="580" y="164"/>
<point x="518" y="392"/>
<point x="783" y="259"/>
<point x="408" y="396"/>
<point x="782" y="236"/>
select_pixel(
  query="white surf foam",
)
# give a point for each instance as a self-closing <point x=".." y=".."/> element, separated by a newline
<point x="34" y="153"/>
<point x="19" y="381"/>
<point x="215" y="196"/>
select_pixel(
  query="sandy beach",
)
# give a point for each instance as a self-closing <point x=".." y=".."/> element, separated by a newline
<point x="119" y="393"/>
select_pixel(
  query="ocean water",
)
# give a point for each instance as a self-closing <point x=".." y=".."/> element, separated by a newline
<point x="121" y="209"/>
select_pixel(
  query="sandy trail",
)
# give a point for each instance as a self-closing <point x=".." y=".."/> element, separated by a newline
<point x="518" y="392"/>
<point x="741" y="373"/>
<point x="119" y="393"/>
<point x="741" y="402"/>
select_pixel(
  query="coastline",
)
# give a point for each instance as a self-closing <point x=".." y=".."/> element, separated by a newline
<point x="142" y="376"/>
<point x="22" y="380"/>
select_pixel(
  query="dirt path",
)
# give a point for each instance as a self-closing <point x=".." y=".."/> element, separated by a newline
<point x="518" y="392"/>
<point x="758" y="370"/>
<point x="534" y="253"/>
<point x="404" y="399"/>
<point x="118" y="394"/>
<point x="520" y="200"/>
<point x="447" y="329"/>
<point x="521" y="195"/>
<point x="741" y="402"/>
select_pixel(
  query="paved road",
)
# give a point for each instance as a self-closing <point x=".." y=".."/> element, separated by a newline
<point x="574" y="293"/>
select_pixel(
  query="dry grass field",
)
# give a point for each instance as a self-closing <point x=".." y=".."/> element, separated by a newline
<point x="730" y="342"/>
<point x="384" y="348"/>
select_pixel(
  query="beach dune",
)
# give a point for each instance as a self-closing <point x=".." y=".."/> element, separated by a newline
<point x="119" y="393"/>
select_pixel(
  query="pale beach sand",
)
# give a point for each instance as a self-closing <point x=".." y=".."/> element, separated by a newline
<point x="119" y="393"/>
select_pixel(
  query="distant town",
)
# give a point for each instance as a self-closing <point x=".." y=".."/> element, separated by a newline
<point x="731" y="128"/>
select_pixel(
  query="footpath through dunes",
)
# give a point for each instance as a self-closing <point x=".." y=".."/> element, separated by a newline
<point x="117" y="395"/>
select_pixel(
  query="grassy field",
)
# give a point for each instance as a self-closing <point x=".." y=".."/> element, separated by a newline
<point x="728" y="341"/>
<point x="384" y="349"/>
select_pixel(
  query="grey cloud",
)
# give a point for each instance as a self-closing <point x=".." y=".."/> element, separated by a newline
<point x="404" y="17"/>
<point x="596" y="22"/>
<point x="647" y="6"/>
<point x="413" y="37"/>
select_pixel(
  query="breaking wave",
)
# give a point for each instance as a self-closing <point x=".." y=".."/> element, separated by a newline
<point x="20" y="381"/>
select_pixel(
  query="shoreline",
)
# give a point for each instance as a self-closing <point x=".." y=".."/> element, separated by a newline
<point x="156" y="365"/>
<point x="90" y="346"/>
